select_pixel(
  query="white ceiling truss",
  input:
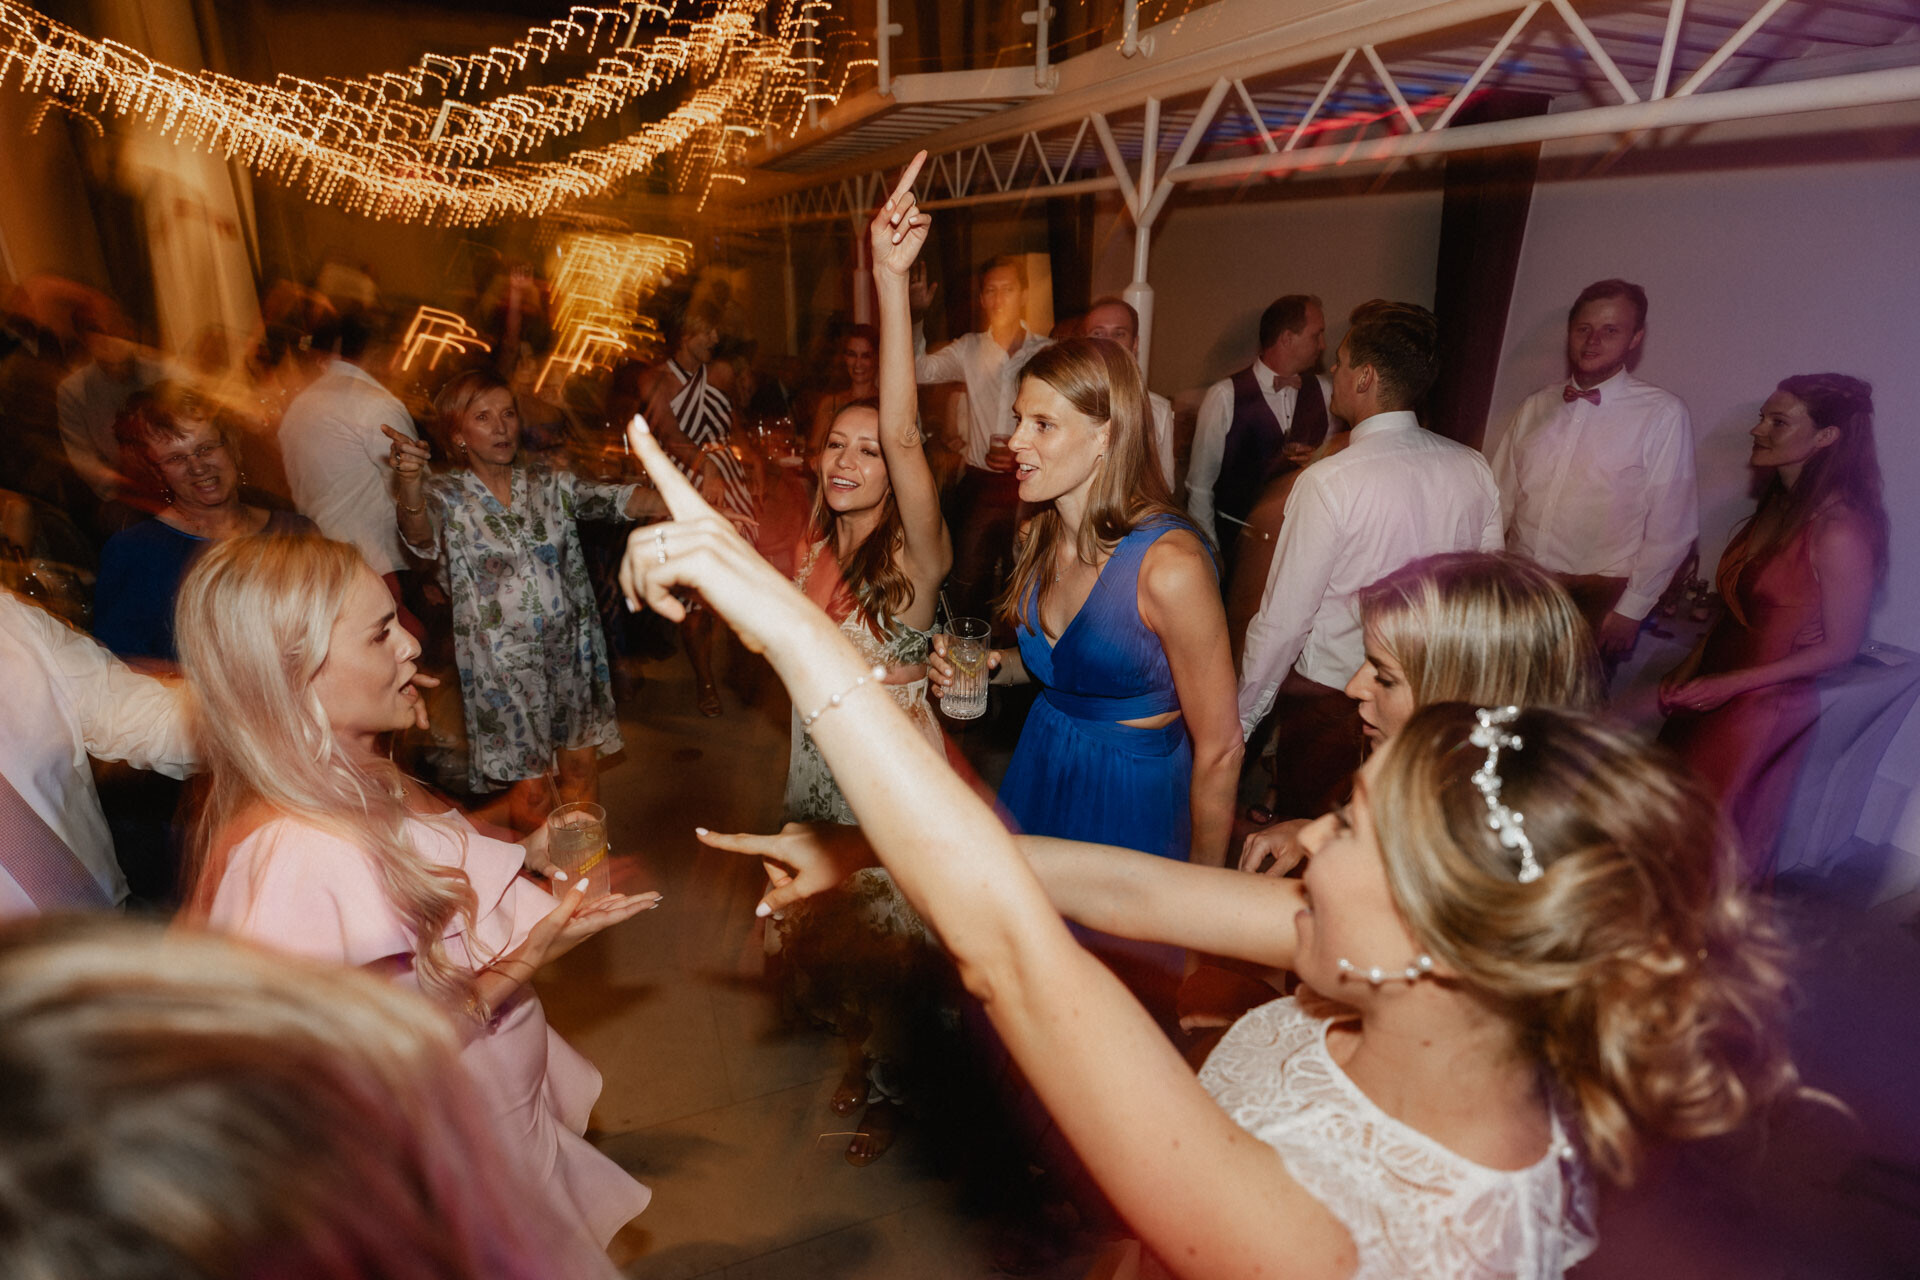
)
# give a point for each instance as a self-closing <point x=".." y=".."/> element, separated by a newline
<point x="1235" y="93"/>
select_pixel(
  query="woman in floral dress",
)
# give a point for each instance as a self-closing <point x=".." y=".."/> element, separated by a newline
<point x="526" y="635"/>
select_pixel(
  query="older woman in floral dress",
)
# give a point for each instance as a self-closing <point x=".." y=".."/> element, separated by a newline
<point x="526" y="634"/>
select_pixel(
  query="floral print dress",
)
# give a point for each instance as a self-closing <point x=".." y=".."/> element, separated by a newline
<point x="526" y="634"/>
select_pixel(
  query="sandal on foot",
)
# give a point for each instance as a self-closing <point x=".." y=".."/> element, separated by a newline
<point x="877" y="1128"/>
<point x="849" y="1093"/>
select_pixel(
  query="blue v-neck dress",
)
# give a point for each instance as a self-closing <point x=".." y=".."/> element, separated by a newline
<point x="1078" y="773"/>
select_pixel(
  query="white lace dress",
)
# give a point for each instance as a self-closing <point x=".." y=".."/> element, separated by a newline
<point x="1413" y="1207"/>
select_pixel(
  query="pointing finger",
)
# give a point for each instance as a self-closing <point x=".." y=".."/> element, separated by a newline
<point x="683" y="500"/>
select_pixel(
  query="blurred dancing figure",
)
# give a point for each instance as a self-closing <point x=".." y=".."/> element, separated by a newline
<point x="985" y="501"/>
<point x="312" y="842"/>
<point x="67" y="699"/>
<point x="1115" y="320"/>
<point x="333" y="441"/>
<point x="1514" y="1003"/>
<point x="861" y="961"/>
<point x="855" y="369"/>
<point x="1115" y="601"/>
<point x="178" y="1104"/>
<point x="176" y="446"/>
<point x="526" y="634"/>
<point x="1798" y="582"/>
<point x="694" y="420"/>
<point x="1596" y="472"/>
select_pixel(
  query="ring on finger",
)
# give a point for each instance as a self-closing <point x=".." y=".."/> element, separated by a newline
<point x="660" y="545"/>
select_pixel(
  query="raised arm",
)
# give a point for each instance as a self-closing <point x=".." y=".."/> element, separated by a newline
<point x="1200" y="1191"/>
<point x="1180" y="603"/>
<point x="899" y="232"/>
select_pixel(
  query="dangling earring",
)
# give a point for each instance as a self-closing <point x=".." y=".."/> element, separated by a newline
<point x="1417" y="968"/>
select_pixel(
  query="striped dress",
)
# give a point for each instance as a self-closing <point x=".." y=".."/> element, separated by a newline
<point x="706" y="417"/>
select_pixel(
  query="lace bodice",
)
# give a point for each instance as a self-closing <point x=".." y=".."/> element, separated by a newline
<point x="1413" y="1207"/>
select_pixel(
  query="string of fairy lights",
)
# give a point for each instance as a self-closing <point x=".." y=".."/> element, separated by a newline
<point x="417" y="145"/>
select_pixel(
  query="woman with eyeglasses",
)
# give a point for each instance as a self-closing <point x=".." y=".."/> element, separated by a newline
<point x="189" y="462"/>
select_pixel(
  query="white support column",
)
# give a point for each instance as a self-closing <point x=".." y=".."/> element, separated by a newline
<point x="885" y="29"/>
<point x="1138" y="293"/>
<point x="786" y="280"/>
<point x="862" y="272"/>
<point x="1044" y="77"/>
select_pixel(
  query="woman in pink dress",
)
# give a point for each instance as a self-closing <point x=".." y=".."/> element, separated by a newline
<point x="313" y="842"/>
<point x="1798" y="581"/>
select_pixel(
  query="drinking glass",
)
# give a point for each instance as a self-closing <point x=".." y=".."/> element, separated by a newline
<point x="966" y="697"/>
<point x="577" y="844"/>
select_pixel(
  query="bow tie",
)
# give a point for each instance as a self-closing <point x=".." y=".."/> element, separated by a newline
<point x="1573" y="393"/>
<point x="1281" y="381"/>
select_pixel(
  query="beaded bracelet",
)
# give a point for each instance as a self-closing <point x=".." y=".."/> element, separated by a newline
<point x="806" y="722"/>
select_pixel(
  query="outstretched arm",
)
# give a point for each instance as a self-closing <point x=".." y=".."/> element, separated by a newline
<point x="899" y="232"/>
<point x="1201" y="1191"/>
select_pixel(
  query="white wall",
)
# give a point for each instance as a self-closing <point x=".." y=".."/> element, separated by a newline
<point x="1217" y="263"/>
<point x="1753" y="273"/>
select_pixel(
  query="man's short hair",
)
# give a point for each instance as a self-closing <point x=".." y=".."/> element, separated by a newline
<point x="348" y="334"/>
<point x="1600" y="289"/>
<point x="1285" y="315"/>
<point x="1400" y="342"/>
<point x="1013" y="262"/>
<point x="1133" y="316"/>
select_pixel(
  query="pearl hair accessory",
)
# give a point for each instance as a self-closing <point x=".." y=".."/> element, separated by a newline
<point x="1510" y="824"/>
<point x="1417" y="968"/>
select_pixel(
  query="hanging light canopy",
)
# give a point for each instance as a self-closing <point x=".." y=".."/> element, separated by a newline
<point x="415" y="146"/>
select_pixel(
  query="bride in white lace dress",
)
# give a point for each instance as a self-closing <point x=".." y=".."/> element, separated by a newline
<point x="1518" y="998"/>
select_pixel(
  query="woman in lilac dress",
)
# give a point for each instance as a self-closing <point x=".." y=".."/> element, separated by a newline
<point x="312" y="842"/>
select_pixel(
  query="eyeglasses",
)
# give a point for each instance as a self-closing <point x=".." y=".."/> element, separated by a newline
<point x="175" y="461"/>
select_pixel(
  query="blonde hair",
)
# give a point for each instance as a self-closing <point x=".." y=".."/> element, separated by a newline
<point x="181" y="1104"/>
<point x="455" y="399"/>
<point x="1487" y="628"/>
<point x="1101" y="381"/>
<point x="1637" y="968"/>
<point x="254" y="620"/>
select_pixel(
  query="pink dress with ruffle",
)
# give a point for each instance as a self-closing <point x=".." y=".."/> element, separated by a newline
<point x="300" y="889"/>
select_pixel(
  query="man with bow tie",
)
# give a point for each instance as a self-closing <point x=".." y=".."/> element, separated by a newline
<point x="1596" y="472"/>
<point x="1264" y="419"/>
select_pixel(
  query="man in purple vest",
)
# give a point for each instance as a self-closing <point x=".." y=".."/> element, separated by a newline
<point x="1262" y="420"/>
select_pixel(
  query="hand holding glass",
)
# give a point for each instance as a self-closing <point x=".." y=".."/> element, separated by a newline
<point x="577" y="844"/>
<point x="966" y="697"/>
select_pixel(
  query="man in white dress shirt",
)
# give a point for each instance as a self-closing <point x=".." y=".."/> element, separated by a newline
<point x="1264" y="419"/>
<point x="986" y="501"/>
<point x="1395" y="493"/>
<point x="1115" y="320"/>
<point x="1596" y="472"/>
<point x="69" y="698"/>
<point x="337" y="456"/>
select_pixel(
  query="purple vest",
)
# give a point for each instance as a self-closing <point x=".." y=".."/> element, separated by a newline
<point x="1251" y="455"/>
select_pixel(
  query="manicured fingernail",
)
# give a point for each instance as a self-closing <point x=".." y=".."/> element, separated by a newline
<point x="639" y="425"/>
<point x="763" y="911"/>
<point x="558" y="874"/>
<point x="700" y="831"/>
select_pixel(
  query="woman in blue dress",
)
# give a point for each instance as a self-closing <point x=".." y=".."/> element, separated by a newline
<point x="1115" y="600"/>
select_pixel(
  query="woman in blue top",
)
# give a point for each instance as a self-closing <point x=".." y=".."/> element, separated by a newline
<point x="172" y="446"/>
<point x="1135" y="738"/>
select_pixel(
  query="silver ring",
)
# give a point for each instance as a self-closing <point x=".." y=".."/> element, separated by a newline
<point x="660" y="545"/>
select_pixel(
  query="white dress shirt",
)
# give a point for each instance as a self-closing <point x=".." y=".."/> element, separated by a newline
<point x="1602" y="488"/>
<point x="337" y="460"/>
<point x="68" y="698"/>
<point x="1216" y="419"/>
<point x="992" y="378"/>
<point x="1160" y="431"/>
<point x="1396" y="493"/>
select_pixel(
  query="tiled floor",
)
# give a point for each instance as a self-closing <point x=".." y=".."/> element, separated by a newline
<point x="709" y="1099"/>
